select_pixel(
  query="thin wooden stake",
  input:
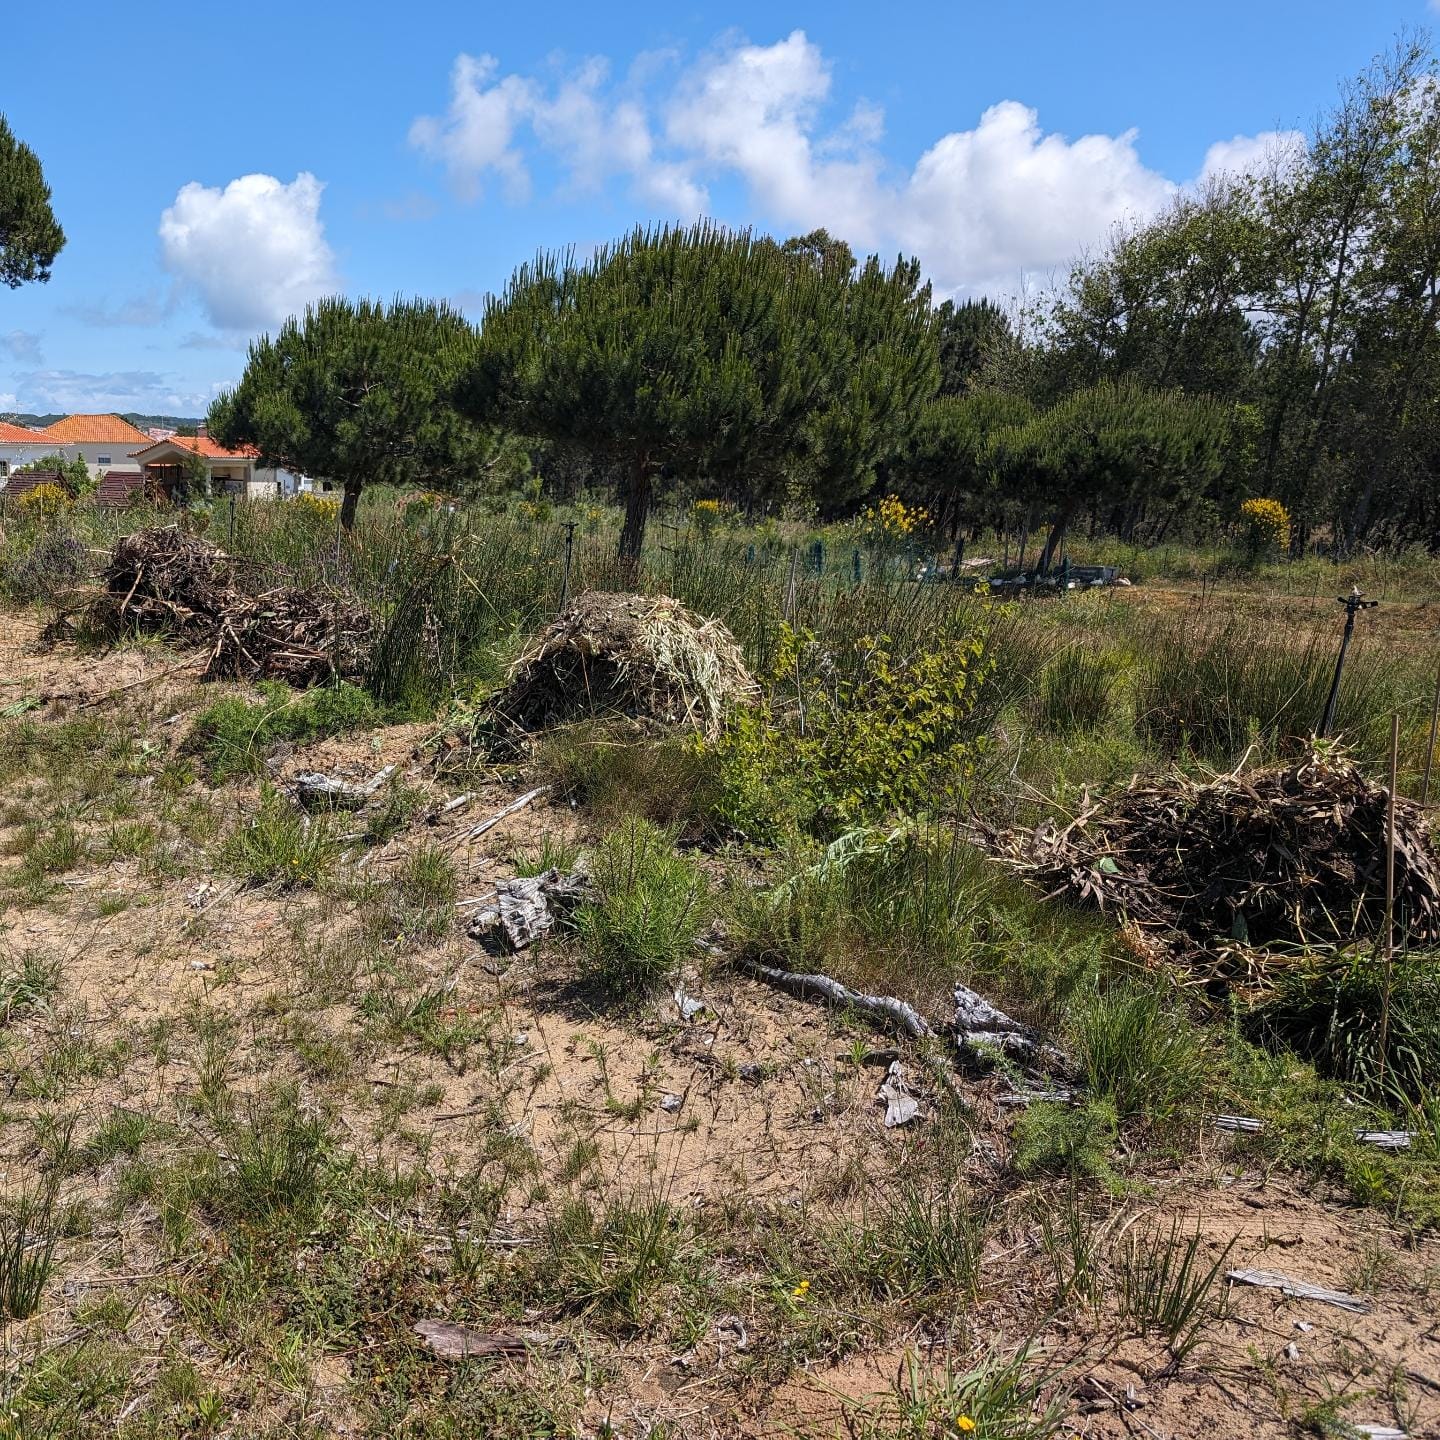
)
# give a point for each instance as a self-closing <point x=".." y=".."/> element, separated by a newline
<point x="1430" y="748"/>
<point x="1389" y="936"/>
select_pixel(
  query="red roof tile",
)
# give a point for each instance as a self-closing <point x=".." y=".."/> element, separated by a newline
<point x="95" y="430"/>
<point x="202" y="445"/>
<point x="19" y="435"/>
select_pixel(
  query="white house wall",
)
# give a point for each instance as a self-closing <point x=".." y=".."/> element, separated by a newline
<point x="117" y="455"/>
<point x="14" y="455"/>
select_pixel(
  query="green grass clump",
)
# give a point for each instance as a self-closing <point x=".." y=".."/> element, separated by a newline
<point x="1077" y="692"/>
<point x="29" y="1233"/>
<point x="614" y="1264"/>
<point x="233" y="736"/>
<point x="1218" y="689"/>
<point x="909" y="912"/>
<point x="420" y="896"/>
<point x="26" y="984"/>
<point x="1004" y="1397"/>
<point x="1328" y="1011"/>
<point x="923" y="1244"/>
<point x="280" y="844"/>
<point x="649" y="907"/>
<point x="1142" y="1053"/>
<point x="1164" y="1284"/>
<point x="615" y="773"/>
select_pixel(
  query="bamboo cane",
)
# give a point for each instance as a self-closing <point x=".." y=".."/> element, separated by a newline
<point x="1389" y="935"/>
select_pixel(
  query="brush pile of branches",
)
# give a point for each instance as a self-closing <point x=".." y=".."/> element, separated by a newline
<point x="169" y="582"/>
<point x="164" y="581"/>
<point x="1276" y="859"/>
<point x="303" y="637"/>
<point x="645" y="657"/>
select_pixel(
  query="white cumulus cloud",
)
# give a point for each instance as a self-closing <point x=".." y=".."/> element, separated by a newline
<point x="477" y="133"/>
<point x="1252" y="154"/>
<point x="254" y="252"/>
<point x="989" y="205"/>
<point x="984" y="208"/>
<point x="755" y="110"/>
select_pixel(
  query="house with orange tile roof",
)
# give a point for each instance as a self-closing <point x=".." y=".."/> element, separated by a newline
<point x="234" y="472"/>
<point x="104" y="442"/>
<point x="19" y="447"/>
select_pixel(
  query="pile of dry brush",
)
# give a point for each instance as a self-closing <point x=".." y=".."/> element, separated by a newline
<point x="1276" y="859"/>
<point x="642" y="656"/>
<point x="167" y="581"/>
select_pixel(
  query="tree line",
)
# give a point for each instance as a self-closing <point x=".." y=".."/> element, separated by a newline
<point x="1272" y="335"/>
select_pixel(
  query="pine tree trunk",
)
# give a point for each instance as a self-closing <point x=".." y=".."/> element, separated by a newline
<point x="350" y="504"/>
<point x="1057" y="534"/>
<point x="637" y="512"/>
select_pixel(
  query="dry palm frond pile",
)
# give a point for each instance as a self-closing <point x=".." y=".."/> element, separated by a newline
<point x="642" y="656"/>
<point x="1276" y="858"/>
<point x="167" y="581"/>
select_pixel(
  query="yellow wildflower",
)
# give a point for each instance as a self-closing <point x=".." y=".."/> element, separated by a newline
<point x="964" y="1424"/>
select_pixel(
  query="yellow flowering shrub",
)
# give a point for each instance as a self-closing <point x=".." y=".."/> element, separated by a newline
<point x="43" y="501"/>
<point x="710" y="514"/>
<point x="321" y="507"/>
<point x="1267" y="526"/>
<point x="890" y="522"/>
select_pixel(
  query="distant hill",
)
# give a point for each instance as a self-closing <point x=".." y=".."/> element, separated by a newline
<point x="140" y="422"/>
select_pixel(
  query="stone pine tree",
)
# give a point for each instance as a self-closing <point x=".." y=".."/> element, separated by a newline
<point x="699" y="352"/>
<point x="30" y="236"/>
<point x="949" y="464"/>
<point x="1111" y="443"/>
<point x="358" y="392"/>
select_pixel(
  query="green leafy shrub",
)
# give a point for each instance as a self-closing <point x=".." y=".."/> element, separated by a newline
<point x="233" y="736"/>
<point x="846" y="739"/>
<point x="1057" y="1139"/>
<point x="648" y="912"/>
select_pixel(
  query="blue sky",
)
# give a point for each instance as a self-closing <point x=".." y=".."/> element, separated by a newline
<point x="215" y="167"/>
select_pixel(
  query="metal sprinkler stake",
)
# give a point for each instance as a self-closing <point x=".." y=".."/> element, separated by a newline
<point x="1354" y="603"/>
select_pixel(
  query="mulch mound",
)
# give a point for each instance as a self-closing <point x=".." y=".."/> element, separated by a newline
<point x="1277" y="859"/>
<point x="645" y="657"/>
<point x="167" y="581"/>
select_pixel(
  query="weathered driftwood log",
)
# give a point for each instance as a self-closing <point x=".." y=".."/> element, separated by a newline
<point x="980" y="1026"/>
<point x="324" y="792"/>
<point x="895" y="1013"/>
<point x="526" y="908"/>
